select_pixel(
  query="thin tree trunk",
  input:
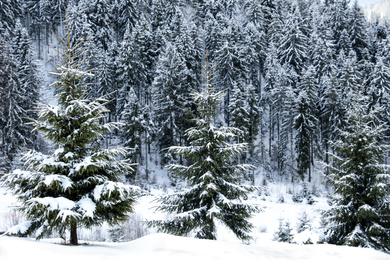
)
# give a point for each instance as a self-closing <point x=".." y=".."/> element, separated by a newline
<point x="146" y="157"/>
<point x="270" y="132"/>
<point x="73" y="232"/>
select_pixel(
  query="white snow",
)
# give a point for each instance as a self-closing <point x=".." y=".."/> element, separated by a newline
<point x="60" y="203"/>
<point x="168" y="247"/>
<point x="64" y="180"/>
<point x="87" y="206"/>
<point x="20" y="228"/>
<point x="84" y="164"/>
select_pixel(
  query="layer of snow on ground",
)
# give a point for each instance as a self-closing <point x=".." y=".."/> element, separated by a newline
<point x="162" y="246"/>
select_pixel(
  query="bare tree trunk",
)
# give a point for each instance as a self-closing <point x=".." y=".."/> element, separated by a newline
<point x="73" y="232"/>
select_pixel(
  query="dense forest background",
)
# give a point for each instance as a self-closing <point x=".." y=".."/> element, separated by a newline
<point x="291" y="71"/>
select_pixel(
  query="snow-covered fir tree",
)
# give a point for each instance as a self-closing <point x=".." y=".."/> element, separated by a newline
<point x="306" y="124"/>
<point x="79" y="184"/>
<point x="173" y="105"/>
<point x="360" y="211"/>
<point x="132" y="129"/>
<point x="215" y="194"/>
<point x="29" y="81"/>
<point x="13" y="130"/>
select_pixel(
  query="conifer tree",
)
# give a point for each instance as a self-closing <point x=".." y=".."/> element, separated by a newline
<point x="127" y="13"/>
<point x="172" y="101"/>
<point x="9" y="12"/>
<point x="360" y="212"/>
<point x="215" y="194"/>
<point x="332" y="112"/>
<point x="13" y="130"/>
<point x="293" y="42"/>
<point x="134" y="126"/>
<point x="27" y="74"/>
<point x="358" y="31"/>
<point x="306" y="123"/>
<point x="79" y="184"/>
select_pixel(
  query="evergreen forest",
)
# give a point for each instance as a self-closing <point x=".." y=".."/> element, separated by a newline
<point x="306" y="84"/>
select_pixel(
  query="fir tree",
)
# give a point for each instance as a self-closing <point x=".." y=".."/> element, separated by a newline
<point x="172" y="101"/>
<point x="29" y="82"/>
<point x="13" y="133"/>
<point x="306" y="124"/>
<point x="293" y="42"/>
<point x="361" y="207"/>
<point x="9" y="12"/>
<point x="284" y="233"/>
<point x="358" y="31"/>
<point x="215" y="194"/>
<point x="133" y="128"/>
<point x="79" y="184"/>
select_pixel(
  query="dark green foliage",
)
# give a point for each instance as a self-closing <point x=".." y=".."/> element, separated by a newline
<point x="306" y="124"/>
<point x="284" y="233"/>
<point x="80" y="183"/>
<point x="214" y="194"/>
<point x="361" y="207"/>
<point x="173" y="107"/>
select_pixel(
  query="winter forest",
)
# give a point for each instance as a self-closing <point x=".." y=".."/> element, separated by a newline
<point x="296" y="89"/>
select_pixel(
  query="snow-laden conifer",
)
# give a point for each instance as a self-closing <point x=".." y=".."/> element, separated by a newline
<point x="79" y="184"/>
<point x="360" y="212"/>
<point x="215" y="194"/>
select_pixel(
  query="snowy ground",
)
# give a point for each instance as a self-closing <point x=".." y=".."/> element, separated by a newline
<point x="168" y="247"/>
<point x="275" y="199"/>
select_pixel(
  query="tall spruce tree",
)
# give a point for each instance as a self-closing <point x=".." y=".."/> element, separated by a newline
<point x="306" y="124"/>
<point x="27" y="74"/>
<point x="361" y="206"/>
<point x="215" y="194"/>
<point x="79" y="184"/>
<point x="13" y="130"/>
<point x="173" y="107"/>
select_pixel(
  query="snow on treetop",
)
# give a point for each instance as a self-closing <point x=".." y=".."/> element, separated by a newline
<point x="64" y="72"/>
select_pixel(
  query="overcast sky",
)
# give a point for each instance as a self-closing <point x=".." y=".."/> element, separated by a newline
<point x="364" y="3"/>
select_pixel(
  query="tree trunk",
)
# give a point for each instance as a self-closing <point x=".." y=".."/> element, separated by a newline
<point x="73" y="232"/>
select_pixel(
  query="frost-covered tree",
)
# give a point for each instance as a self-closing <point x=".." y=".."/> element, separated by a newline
<point x="79" y="185"/>
<point x="284" y="233"/>
<point x="360" y="212"/>
<point x="134" y="126"/>
<point x="9" y="12"/>
<point x="126" y="13"/>
<point x="306" y="124"/>
<point x="293" y="42"/>
<point x="173" y="106"/>
<point x="13" y="130"/>
<point x="231" y="64"/>
<point x="27" y="74"/>
<point x="332" y="112"/>
<point x="214" y="194"/>
<point x="358" y="31"/>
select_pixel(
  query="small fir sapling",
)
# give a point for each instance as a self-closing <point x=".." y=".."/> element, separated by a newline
<point x="284" y="232"/>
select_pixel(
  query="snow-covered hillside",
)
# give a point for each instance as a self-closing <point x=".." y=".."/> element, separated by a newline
<point x="380" y="9"/>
